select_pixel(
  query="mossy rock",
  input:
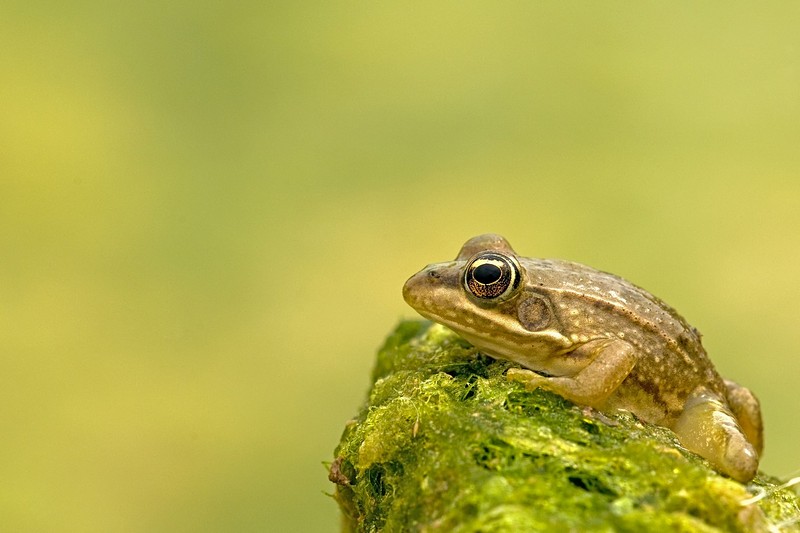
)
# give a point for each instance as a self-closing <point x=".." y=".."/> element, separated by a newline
<point x="446" y="442"/>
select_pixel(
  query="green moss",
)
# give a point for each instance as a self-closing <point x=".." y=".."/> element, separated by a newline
<point x="446" y="442"/>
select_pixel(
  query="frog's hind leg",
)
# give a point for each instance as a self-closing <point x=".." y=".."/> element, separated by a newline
<point x="745" y="406"/>
<point x="709" y="428"/>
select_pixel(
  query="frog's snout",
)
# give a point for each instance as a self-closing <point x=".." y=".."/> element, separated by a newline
<point x="421" y="288"/>
<point x="407" y="291"/>
<point x="414" y="287"/>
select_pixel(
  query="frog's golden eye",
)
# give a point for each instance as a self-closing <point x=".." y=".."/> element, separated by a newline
<point x="492" y="276"/>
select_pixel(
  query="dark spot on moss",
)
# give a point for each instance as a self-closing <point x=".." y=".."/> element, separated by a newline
<point x="590" y="427"/>
<point x="531" y="403"/>
<point x="496" y="455"/>
<point x="379" y="477"/>
<point x="471" y="510"/>
<point x="476" y="366"/>
<point x="519" y="402"/>
<point x="590" y="483"/>
<point x="376" y="481"/>
<point x="470" y="388"/>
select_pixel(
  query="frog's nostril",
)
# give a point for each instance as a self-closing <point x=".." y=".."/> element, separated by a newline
<point x="434" y="274"/>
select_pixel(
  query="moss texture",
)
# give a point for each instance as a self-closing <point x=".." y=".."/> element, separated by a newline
<point x="446" y="442"/>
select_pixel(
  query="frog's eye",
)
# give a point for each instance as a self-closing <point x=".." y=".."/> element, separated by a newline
<point x="492" y="276"/>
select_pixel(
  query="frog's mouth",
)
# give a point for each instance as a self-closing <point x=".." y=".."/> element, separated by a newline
<point x="436" y="293"/>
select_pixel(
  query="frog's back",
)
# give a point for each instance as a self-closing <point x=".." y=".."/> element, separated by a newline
<point x="591" y="303"/>
<point x="578" y="286"/>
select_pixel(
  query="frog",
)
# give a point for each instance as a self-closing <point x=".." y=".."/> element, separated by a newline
<point x="595" y="339"/>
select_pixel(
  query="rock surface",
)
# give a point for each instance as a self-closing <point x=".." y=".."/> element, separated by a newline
<point x="446" y="442"/>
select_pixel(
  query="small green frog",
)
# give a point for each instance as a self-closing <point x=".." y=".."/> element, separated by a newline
<point x="596" y="340"/>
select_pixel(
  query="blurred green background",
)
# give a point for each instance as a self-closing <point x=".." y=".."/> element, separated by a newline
<point x="207" y="211"/>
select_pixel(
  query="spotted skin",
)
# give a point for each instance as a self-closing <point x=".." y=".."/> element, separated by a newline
<point x="596" y="339"/>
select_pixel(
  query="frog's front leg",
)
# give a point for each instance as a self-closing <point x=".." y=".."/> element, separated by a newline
<point x="609" y="363"/>
<point x="709" y="428"/>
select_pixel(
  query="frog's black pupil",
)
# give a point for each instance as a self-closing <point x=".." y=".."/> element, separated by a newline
<point x="487" y="273"/>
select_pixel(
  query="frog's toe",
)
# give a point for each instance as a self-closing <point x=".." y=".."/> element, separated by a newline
<point x="529" y="378"/>
<point x="708" y="428"/>
<point x="745" y="406"/>
<point x="741" y="460"/>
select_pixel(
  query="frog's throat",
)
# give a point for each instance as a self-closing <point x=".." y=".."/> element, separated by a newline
<point x="510" y="341"/>
<point x="526" y="354"/>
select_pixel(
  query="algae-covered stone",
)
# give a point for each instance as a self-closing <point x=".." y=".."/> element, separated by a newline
<point x="446" y="442"/>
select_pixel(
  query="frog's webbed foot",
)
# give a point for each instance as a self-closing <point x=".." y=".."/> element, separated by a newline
<point x="745" y="406"/>
<point x="709" y="428"/>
